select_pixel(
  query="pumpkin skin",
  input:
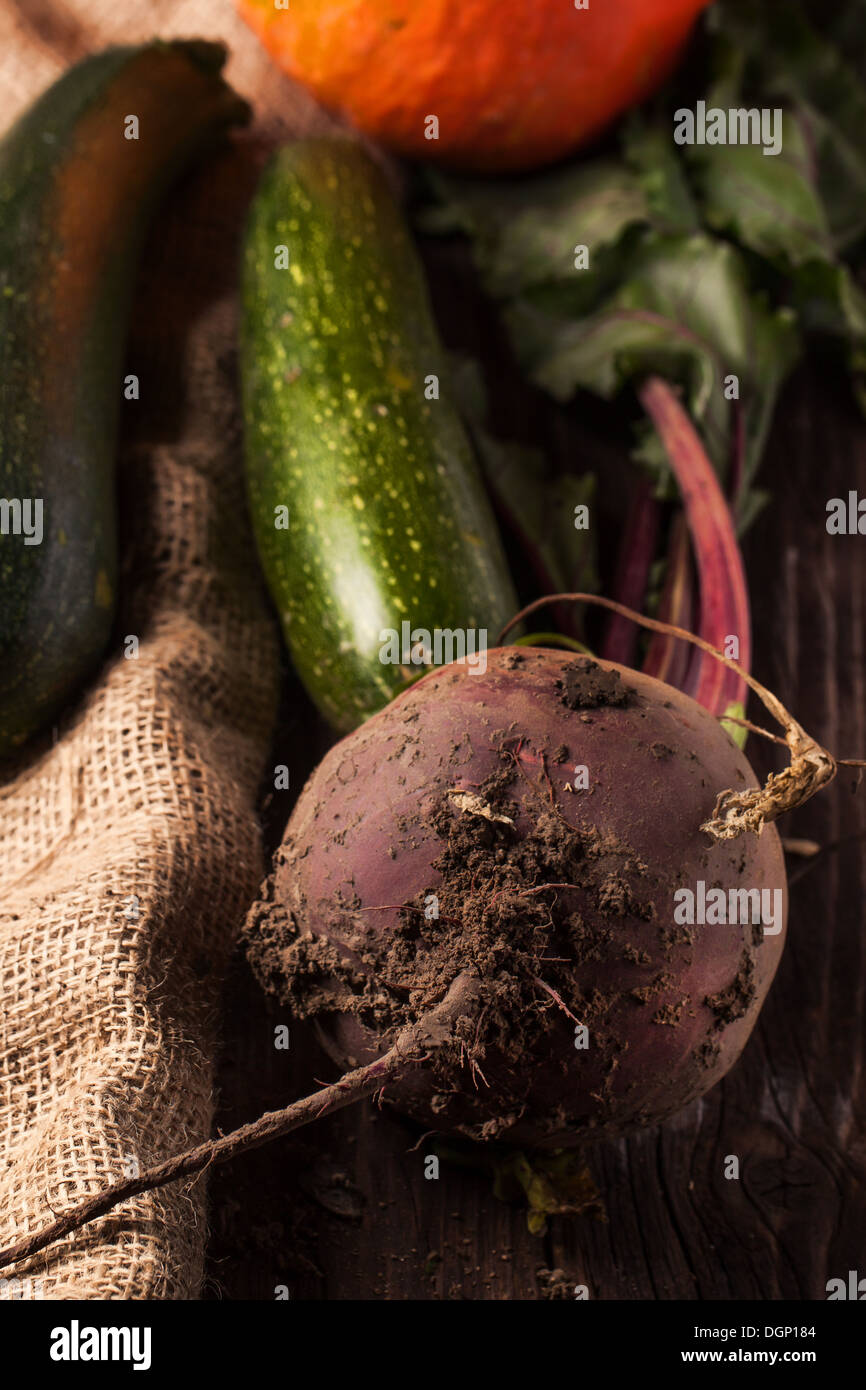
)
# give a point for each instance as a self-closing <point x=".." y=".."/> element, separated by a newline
<point x="514" y="83"/>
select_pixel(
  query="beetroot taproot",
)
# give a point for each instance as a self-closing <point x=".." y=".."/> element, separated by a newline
<point x="536" y="825"/>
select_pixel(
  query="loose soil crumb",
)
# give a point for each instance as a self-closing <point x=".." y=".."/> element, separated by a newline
<point x="671" y="1014"/>
<point x="555" y="1284"/>
<point x="735" y="1001"/>
<point x="661" y="750"/>
<point x="585" y="685"/>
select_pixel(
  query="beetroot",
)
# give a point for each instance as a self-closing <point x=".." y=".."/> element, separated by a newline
<point x="455" y="832"/>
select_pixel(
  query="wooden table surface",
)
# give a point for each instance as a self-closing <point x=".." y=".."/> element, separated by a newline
<point x="343" y="1209"/>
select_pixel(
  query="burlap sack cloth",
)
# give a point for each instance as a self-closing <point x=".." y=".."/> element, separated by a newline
<point x="130" y="850"/>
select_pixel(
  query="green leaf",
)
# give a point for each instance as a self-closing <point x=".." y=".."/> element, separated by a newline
<point x="800" y="209"/>
<point x="768" y="203"/>
<point x="830" y="301"/>
<point x="685" y="311"/>
<point x="538" y="504"/>
<point x="542" y="506"/>
<point x="524" y="232"/>
<point x="554" y="1184"/>
<point x="822" y="82"/>
<point x="652" y="157"/>
<point x="736" y="733"/>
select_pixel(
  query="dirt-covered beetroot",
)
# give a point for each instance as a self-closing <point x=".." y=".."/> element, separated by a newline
<point x="452" y="832"/>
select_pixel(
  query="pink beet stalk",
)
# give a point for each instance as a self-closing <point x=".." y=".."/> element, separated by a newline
<point x="724" y="610"/>
<point x="637" y="549"/>
<point x="667" y="658"/>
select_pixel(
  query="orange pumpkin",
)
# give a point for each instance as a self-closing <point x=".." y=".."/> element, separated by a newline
<point x="511" y="83"/>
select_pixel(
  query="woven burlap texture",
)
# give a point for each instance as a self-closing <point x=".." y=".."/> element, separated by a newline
<point x="130" y="849"/>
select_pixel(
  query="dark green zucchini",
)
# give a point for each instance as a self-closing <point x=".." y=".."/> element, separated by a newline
<point x="76" y="197"/>
<point x="388" y="523"/>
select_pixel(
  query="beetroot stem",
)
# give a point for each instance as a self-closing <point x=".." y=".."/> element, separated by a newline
<point x="666" y="658"/>
<point x="413" y="1046"/>
<point x="721" y="575"/>
<point x="636" y="553"/>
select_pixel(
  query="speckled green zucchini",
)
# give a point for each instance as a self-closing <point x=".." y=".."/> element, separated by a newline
<point x="76" y="195"/>
<point x="388" y="522"/>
